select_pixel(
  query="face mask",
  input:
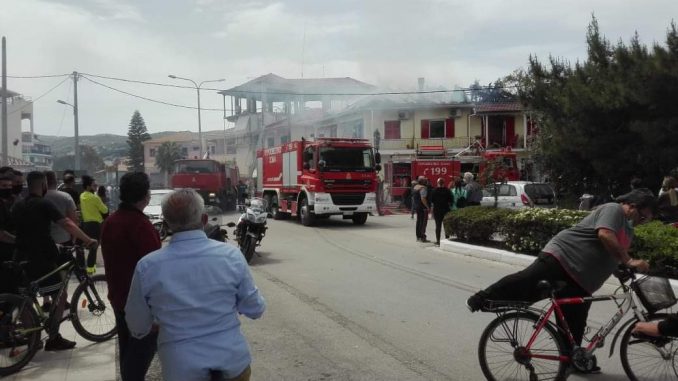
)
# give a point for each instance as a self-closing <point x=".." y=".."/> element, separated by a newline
<point x="16" y="189"/>
<point x="6" y="193"/>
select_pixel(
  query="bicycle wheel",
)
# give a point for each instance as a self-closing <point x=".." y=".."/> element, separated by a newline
<point x="503" y="355"/>
<point x="91" y="313"/>
<point x="645" y="359"/>
<point x="19" y="333"/>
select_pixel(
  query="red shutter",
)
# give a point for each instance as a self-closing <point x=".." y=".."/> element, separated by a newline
<point x="424" y="129"/>
<point x="392" y="129"/>
<point x="449" y="128"/>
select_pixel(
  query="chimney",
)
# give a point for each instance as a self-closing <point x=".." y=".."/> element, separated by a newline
<point x="421" y="83"/>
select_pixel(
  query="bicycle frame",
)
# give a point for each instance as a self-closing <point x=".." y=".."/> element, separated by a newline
<point x="597" y="341"/>
<point x="32" y="290"/>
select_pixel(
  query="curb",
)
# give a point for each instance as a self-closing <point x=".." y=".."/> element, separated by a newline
<point x="510" y="258"/>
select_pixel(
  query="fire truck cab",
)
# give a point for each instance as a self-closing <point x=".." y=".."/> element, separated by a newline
<point x="319" y="178"/>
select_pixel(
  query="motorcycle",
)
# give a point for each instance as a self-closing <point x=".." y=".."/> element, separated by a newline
<point x="251" y="227"/>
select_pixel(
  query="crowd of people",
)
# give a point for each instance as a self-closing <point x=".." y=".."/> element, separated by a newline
<point x="160" y="296"/>
<point x="425" y="200"/>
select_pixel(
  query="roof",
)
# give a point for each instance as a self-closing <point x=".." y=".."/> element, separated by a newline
<point x="278" y="87"/>
<point x="184" y="136"/>
<point x="11" y="93"/>
<point x="485" y="108"/>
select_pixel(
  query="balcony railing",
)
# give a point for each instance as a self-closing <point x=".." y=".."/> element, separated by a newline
<point x="402" y="144"/>
<point x="457" y="143"/>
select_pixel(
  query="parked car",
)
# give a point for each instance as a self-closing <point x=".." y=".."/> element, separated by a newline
<point x="153" y="210"/>
<point x="520" y="194"/>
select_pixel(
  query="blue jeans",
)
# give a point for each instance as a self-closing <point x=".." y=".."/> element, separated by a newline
<point x="135" y="354"/>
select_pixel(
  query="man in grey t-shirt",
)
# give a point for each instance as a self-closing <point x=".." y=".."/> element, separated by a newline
<point x="581" y="257"/>
<point x="64" y="204"/>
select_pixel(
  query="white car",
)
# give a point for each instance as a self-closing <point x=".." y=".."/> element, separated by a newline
<point x="520" y="194"/>
<point x="153" y="210"/>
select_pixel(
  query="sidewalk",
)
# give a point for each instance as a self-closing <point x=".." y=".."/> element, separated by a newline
<point x="88" y="361"/>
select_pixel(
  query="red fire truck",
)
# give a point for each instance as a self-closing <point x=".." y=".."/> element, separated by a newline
<point x="432" y="163"/>
<point x="315" y="179"/>
<point x="215" y="181"/>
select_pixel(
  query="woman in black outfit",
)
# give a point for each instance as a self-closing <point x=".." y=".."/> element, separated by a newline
<point x="441" y="200"/>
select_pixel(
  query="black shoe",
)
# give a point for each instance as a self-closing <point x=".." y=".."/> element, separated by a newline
<point x="58" y="343"/>
<point x="475" y="302"/>
<point x="424" y="240"/>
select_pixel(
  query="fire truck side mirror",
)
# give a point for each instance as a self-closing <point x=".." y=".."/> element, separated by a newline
<point x="377" y="167"/>
<point x="377" y="158"/>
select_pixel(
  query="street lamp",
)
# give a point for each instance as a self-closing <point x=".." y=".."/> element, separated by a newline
<point x="75" y="123"/>
<point x="197" y="88"/>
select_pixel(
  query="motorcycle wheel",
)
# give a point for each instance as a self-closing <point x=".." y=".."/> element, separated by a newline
<point x="162" y="229"/>
<point x="247" y="248"/>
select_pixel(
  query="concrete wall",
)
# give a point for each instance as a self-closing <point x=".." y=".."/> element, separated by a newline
<point x="15" y="109"/>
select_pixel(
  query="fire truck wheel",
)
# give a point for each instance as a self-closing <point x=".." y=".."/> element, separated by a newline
<point x="359" y="218"/>
<point x="307" y="218"/>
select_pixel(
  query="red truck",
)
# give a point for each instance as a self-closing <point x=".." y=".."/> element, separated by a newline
<point x="314" y="179"/>
<point x="215" y="181"/>
<point x="434" y="167"/>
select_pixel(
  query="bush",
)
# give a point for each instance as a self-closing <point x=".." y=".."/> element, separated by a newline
<point x="475" y="223"/>
<point x="528" y="230"/>
<point x="655" y="241"/>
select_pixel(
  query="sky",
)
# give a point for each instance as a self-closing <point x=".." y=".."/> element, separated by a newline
<point x="388" y="43"/>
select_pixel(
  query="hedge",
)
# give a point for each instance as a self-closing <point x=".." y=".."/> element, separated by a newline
<point x="528" y="230"/>
<point x="475" y="223"/>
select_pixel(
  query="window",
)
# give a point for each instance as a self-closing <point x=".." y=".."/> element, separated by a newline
<point x="392" y="129"/>
<point x="151" y="152"/>
<point x="184" y="151"/>
<point x="284" y="139"/>
<point x="270" y="142"/>
<point x="437" y="128"/>
<point x="213" y="149"/>
<point x="230" y="147"/>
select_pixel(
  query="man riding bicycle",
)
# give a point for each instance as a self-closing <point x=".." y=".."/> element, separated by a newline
<point x="580" y="259"/>
<point x="32" y="217"/>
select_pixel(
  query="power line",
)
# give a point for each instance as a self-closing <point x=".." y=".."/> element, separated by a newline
<point x="150" y="99"/>
<point x="467" y="89"/>
<point x="141" y="82"/>
<point x="38" y="98"/>
<point x="36" y="76"/>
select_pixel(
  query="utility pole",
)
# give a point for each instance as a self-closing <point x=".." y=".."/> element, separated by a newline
<point x="75" y="120"/>
<point x="5" y="146"/>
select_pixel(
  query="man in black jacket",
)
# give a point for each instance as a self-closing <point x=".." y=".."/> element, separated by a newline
<point x="441" y="198"/>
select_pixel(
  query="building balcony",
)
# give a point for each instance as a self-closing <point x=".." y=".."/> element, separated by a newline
<point x="411" y="144"/>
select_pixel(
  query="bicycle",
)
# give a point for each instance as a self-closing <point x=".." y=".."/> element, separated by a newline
<point x="22" y="318"/>
<point x="523" y="342"/>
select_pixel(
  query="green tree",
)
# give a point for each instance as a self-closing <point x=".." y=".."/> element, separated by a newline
<point x="609" y="118"/>
<point x="136" y="135"/>
<point x="167" y="154"/>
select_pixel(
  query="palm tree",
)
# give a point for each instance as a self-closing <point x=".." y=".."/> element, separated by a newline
<point x="167" y="154"/>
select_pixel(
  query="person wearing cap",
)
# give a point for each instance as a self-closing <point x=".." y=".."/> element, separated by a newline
<point x="581" y="257"/>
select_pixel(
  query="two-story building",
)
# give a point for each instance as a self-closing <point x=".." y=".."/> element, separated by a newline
<point x="269" y="110"/>
<point x="19" y="108"/>
<point x="189" y="148"/>
<point x="36" y="152"/>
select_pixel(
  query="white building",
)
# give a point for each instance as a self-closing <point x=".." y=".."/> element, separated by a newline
<point x="19" y="108"/>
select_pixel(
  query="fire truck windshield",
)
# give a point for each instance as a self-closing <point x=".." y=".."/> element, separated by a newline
<point x="336" y="159"/>
<point x="196" y="166"/>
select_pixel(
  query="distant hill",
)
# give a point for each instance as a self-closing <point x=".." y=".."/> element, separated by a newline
<point x="108" y="146"/>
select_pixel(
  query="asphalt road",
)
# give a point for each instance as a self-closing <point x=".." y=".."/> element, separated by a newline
<point x="370" y="303"/>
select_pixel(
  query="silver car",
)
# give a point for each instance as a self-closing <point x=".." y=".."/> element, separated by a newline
<point x="520" y="194"/>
